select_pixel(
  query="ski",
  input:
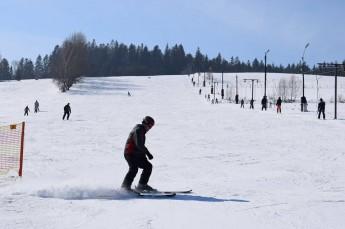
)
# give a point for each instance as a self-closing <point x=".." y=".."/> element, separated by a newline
<point x="156" y="194"/>
<point x="178" y="191"/>
<point x="151" y="194"/>
<point x="159" y="193"/>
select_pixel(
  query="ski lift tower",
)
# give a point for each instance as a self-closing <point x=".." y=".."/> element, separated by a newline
<point x="337" y="68"/>
<point x="253" y="80"/>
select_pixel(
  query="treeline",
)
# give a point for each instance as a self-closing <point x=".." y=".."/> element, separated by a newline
<point x="77" y="57"/>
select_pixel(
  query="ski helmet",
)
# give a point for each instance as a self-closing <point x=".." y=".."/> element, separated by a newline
<point x="148" y="121"/>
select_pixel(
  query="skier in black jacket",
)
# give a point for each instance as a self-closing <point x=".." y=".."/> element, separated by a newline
<point x="264" y="103"/>
<point x="135" y="154"/>
<point x="279" y="105"/>
<point x="321" y="108"/>
<point x="67" y="111"/>
<point x="26" y="111"/>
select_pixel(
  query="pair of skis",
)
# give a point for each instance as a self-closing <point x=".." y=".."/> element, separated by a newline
<point x="161" y="193"/>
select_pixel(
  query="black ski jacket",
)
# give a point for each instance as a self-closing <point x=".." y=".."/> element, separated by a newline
<point x="135" y="144"/>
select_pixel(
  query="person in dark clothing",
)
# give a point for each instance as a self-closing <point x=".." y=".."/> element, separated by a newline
<point x="251" y="104"/>
<point x="304" y="104"/>
<point x="236" y="99"/>
<point x="264" y="103"/>
<point x="279" y="105"/>
<point x="26" y="111"/>
<point x="67" y="111"/>
<point x="37" y="106"/>
<point x="242" y="103"/>
<point x="136" y="155"/>
<point x="321" y="108"/>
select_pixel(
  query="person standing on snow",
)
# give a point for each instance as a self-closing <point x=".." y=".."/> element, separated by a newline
<point x="279" y="105"/>
<point x="67" y="111"/>
<point x="251" y="104"/>
<point x="242" y="103"/>
<point x="135" y="154"/>
<point x="321" y="108"/>
<point x="26" y="111"/>
<point x="264" y="103"/>
<point x="37" y="105"/>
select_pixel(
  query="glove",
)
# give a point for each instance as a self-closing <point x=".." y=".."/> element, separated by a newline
<point x="149" y="155"/>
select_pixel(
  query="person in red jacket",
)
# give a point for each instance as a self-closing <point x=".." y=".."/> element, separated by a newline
<point x="136" y="155"/>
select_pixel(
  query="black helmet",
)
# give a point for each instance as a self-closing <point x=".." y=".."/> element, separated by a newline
<point x="148" y="121"/>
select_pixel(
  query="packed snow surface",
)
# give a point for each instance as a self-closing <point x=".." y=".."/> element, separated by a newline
<point x="247" y="168"/>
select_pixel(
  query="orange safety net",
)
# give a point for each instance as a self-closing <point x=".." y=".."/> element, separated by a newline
<point x="11" y="148"/>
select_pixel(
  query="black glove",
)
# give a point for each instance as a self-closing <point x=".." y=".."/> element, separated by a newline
<point x="149" y="155"/>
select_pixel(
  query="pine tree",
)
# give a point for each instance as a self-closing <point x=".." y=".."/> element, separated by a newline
<point x="5" y="70"/>
<point x="39" y="70"/>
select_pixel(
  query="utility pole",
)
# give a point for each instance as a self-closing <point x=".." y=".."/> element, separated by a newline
<point x="222" y="91"/>
<point x="236" y="96"/>
<point x="303" y="99"/>
<point x="212" y="89"/>
<point x="214" y="92"/>
<point x="265" y="69"/>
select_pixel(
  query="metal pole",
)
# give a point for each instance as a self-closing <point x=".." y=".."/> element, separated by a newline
<point x="265" y="69"/>
<point x="214" y="92"/>
<point x="252" y="89"/>
<point x="222" y="91"/>
<point x="335" y="92"/>
<point x="302" y="99"/>
<point x="306" y="46"/>
<point x="236" y="85"/>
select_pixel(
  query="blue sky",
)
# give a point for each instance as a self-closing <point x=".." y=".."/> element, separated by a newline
<point x="240" y="28"/>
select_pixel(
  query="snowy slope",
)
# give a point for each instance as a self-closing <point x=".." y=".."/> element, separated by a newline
<point x="248" y="168"/>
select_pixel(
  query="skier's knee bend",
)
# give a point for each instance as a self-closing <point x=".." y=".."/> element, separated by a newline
<point x="133" y="171"/>
<point x="149" y="166"/>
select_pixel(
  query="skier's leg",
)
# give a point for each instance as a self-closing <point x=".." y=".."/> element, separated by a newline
<point x="132" y="172"/>
<point x="147" y="170"/>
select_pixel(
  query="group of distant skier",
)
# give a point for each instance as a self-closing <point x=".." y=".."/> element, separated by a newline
<point x="27" y="109"/>
<point x="264" y="102"/>
<point x="67" y="110"/>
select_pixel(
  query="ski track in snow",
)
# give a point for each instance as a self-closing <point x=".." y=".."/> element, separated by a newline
<point x="247" y="168"/>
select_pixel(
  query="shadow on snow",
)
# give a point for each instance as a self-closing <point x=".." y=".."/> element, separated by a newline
<point x="108" y="194"/>
<point x="102" y="86"/>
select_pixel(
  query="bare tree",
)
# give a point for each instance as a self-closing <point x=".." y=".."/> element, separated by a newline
<point x="283" y="89"/>
<point x="229" y="91"/>
<point x="69" y="61"/>
<point x="294" y="87"/>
